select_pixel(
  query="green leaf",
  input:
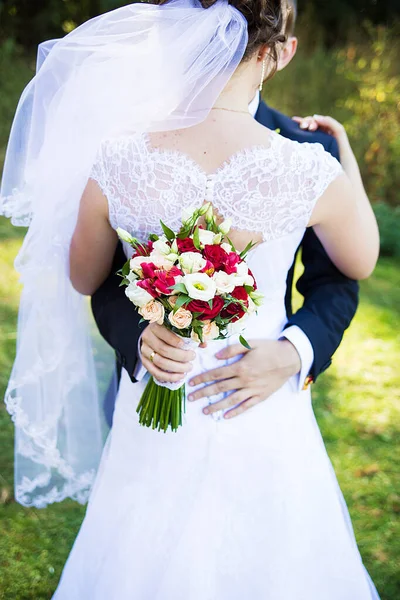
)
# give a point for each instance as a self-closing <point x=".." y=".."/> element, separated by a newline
<point x="196" y="239"/>
<point x="180" y="287"/>
<point x="244" y="343"/>
<point x="153" y="237"/>
<point x="232" y="244"/>
<point x="181" y="301"/>
<point x="249" y="288"/>
<point x="126" y="269"/>
<point x="199" y="331"/>
<point x="184" y="232"/>
<point x="169" y="234"/>
<point x="124" y="282"/>
<point x="249" y="246"/>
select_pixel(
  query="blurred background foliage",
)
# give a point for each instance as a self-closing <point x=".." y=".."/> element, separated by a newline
<point x="347" y="66"/>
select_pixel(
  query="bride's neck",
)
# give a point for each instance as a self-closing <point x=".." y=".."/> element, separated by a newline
<point x="238" y="93"/>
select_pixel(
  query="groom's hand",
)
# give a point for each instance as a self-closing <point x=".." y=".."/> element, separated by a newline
<point x="162" y="354"/>
<point x="259" y="373"/>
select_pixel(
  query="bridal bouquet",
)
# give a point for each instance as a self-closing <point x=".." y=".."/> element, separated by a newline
<point x="197" y="285"/>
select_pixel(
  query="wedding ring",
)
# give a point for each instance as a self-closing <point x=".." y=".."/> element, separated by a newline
<point x="152" y="355"/>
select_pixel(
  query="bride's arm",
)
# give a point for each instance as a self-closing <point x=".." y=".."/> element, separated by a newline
<point x="343" y="218"/>
<point x="93" y="242"/>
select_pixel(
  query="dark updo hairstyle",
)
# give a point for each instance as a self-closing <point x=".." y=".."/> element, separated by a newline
<point x="266" y="21"/>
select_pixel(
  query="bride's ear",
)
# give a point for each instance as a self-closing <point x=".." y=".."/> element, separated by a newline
<point x="287" y="52"/>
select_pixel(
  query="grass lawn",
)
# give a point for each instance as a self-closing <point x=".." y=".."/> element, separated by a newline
<point x="357" y="406"/>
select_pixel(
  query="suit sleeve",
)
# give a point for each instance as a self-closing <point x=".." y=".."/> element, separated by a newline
<point x="330" y="303"/>
<point x="116" y="318"/>
<point x="330" y="298"/>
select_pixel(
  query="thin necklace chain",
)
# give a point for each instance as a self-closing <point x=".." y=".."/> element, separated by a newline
<point x="245" y="112"/>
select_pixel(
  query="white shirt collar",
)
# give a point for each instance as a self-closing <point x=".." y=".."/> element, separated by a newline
<point x="254" y="104"/>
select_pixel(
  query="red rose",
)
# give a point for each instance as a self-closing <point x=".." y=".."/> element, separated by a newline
<point x="216" y="255"/>
<point x="235" y="309"/>
<point x="203" y="307"/>
<point x="186" y="245"/>
<point x="231" y="262"/>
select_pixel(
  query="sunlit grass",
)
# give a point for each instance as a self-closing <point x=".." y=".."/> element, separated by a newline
<point x="357" y="407"/>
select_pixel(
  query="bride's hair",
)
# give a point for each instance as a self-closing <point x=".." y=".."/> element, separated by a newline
<point x="266" y="22"/>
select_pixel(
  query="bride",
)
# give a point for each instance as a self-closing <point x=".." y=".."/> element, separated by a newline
<point x="132" y="117"/>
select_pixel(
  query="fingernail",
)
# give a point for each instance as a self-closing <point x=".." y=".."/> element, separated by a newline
<point x="192" y="382"/>
<point x="220" y="354"/>
<point x="192" y="355"/>
<point x="206" y="411"/>
<point x="190" y="398"/>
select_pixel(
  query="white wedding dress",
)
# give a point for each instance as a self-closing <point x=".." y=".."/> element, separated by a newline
<point x="240" y="509"/>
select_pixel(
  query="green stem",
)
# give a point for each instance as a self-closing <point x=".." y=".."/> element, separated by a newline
<point x="160" y="408"/>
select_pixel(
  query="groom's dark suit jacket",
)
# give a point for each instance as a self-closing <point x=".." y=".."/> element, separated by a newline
<point x="330" y="298"/>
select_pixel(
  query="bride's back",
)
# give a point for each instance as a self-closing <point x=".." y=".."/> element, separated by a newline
<point x="266" y="184"/>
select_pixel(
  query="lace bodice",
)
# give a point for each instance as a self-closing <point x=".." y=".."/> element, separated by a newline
<point x="269" y="189"/>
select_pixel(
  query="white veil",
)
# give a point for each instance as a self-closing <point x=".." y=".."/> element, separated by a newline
<point x="139" y="68"/>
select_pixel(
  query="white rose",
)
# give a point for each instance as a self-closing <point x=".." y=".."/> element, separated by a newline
<point x="191" y="262"/>
<point x="227" y="247"/>
<point x="162" y="261"/>
<point x="249" y="281"/>
<point x="131" y="276"/>
<point x="137" y="261"/>
<point x="237" y="327"/>
<point x="225" y="226"/>
<point x="174" y="247"/>
<point x="242" y="275"/>
<point x="242" y="269"/>
<point x="153" y="312"/>
<point x="200" y="286"/>
<point x="225" y="283"/>
<point x="206" y="237"/>
<point x="161" y="246"/>
<point x="137" y="295"/>
<point x="172" y="258"/>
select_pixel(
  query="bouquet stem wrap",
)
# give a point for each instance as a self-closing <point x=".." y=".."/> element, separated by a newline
<point x="163" y="404"/>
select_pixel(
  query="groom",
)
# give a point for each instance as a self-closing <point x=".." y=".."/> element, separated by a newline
<point x="311" y="336"/>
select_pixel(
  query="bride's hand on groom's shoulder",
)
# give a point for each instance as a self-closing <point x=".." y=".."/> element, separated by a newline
<point x="327" y="125"/>
<point x="255" y="377"/>
<point x="162" y="354"/>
